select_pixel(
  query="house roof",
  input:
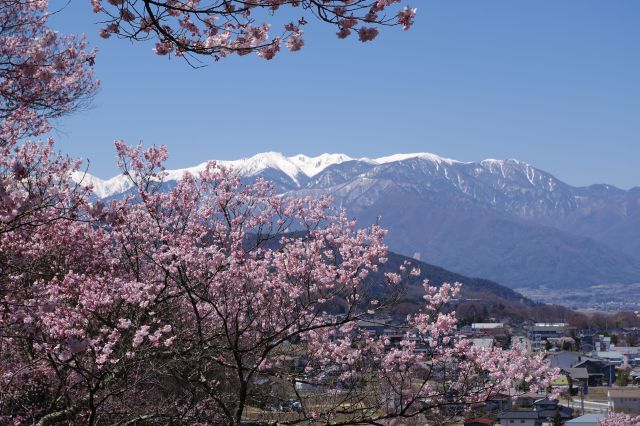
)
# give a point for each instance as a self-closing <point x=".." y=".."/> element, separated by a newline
<point x="481" y="420"/>
<point x="587" y="418"/>
<point x="565" y="413"/>
<point x="609" y="354"/>
<point x="631" y="350"/>
<point x="564" y="359"/>
<point x="484" y="342"/>
<point x="597" y="363"/>
<point x="500" y="396"/>
<point x="513" y="414"/>
<point x="487" y="325"/>
<point x="577" y="373"/>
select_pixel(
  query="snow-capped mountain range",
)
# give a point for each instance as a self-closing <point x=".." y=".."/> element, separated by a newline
<point x="298" y="168"/>
<point x="504" y="220"/>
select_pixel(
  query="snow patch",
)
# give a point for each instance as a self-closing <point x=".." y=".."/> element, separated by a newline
<point x="311" y="166"/>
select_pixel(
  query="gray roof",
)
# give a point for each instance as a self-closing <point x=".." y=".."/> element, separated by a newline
<point x="577" y="373"/>
<point x="564" y="359"/>
<point x="587" y="418"/>
<point x="513" y="414"/>
<point x="565" y="413"/>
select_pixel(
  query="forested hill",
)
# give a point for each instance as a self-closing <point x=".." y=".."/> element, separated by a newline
<point x="481" y="295"/>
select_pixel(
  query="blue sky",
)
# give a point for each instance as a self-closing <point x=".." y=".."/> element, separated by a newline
<point x="554" y="83"/>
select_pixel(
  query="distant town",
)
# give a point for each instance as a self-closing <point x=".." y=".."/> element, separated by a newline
<point x="599" y="372"/>
<point x="603" y="298"/>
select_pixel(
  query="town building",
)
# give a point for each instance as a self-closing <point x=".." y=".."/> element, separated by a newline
<point x="488" y="327"/>
<point x="542" y="411"/>
<point x="625" y="400"/>
<point x="600" y="371"/>
<point x="520" y="418"/>
<point x="539" y="333"/>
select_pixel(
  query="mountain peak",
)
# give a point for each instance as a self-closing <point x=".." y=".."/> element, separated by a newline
<point x="297" y="167"/>
<point x="507" y="161"/>
<point x="311" y="166"/>
<point x="422" y="155"/>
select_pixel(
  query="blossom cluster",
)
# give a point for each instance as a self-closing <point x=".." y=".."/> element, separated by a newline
<point x="43" y="74"/>
<point x="620" y="419"/>
<point x="220" y="28"/>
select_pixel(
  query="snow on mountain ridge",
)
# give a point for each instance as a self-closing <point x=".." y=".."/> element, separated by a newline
<point x="311" y="166"/>
<point x="423" y="155"/>
<point x="291" y="166"/>
<point x="295" y="167"/>
<point x="103" y="187"/>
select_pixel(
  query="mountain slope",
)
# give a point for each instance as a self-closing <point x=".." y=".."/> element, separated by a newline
<point x="500" y="219"/>
<point x="454" y="221"/>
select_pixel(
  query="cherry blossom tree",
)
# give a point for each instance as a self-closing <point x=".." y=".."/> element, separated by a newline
<point x="219" y="28"/>
<point x="620" y="419"/>
<point x="43" y="75"/>
<point x="211" y="301"/>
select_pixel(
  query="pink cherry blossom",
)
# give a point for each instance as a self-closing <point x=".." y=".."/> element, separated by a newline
<point x="367" y="34"/>
<point x="220" y="28"/>
<point x="620" y="419"/>
<point x="43" y="75"/>
<point x="405" y="17"/>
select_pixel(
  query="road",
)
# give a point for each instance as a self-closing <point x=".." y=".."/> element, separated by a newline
<point x="589" y="406"/>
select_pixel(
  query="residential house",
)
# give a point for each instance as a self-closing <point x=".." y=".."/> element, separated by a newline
<point x="479" y="421"/>
<point x="544" y="411"/>
<point x="520" y="418"/>
<point x="497" y="403"/>
<point x="488" y="328"/>
<point x="614" y="357"/>
<point x="579" y="377"/>
<point x="482" y="342"/>
<point x="628" y="354"/>
<point x="527" y="400"/>
<point x="548" y="409"/>
<point x="563" y="359"/>
<point x="625" y="400"/>
<point x="538" y="333"/>
<point x="600" y="371"/>
<point x="602" y="343"/>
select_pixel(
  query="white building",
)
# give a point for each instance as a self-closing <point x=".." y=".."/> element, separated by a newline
<point x="538" y="334"/>
<point x="482" y="342"/>
<point x="478" y="326"/>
